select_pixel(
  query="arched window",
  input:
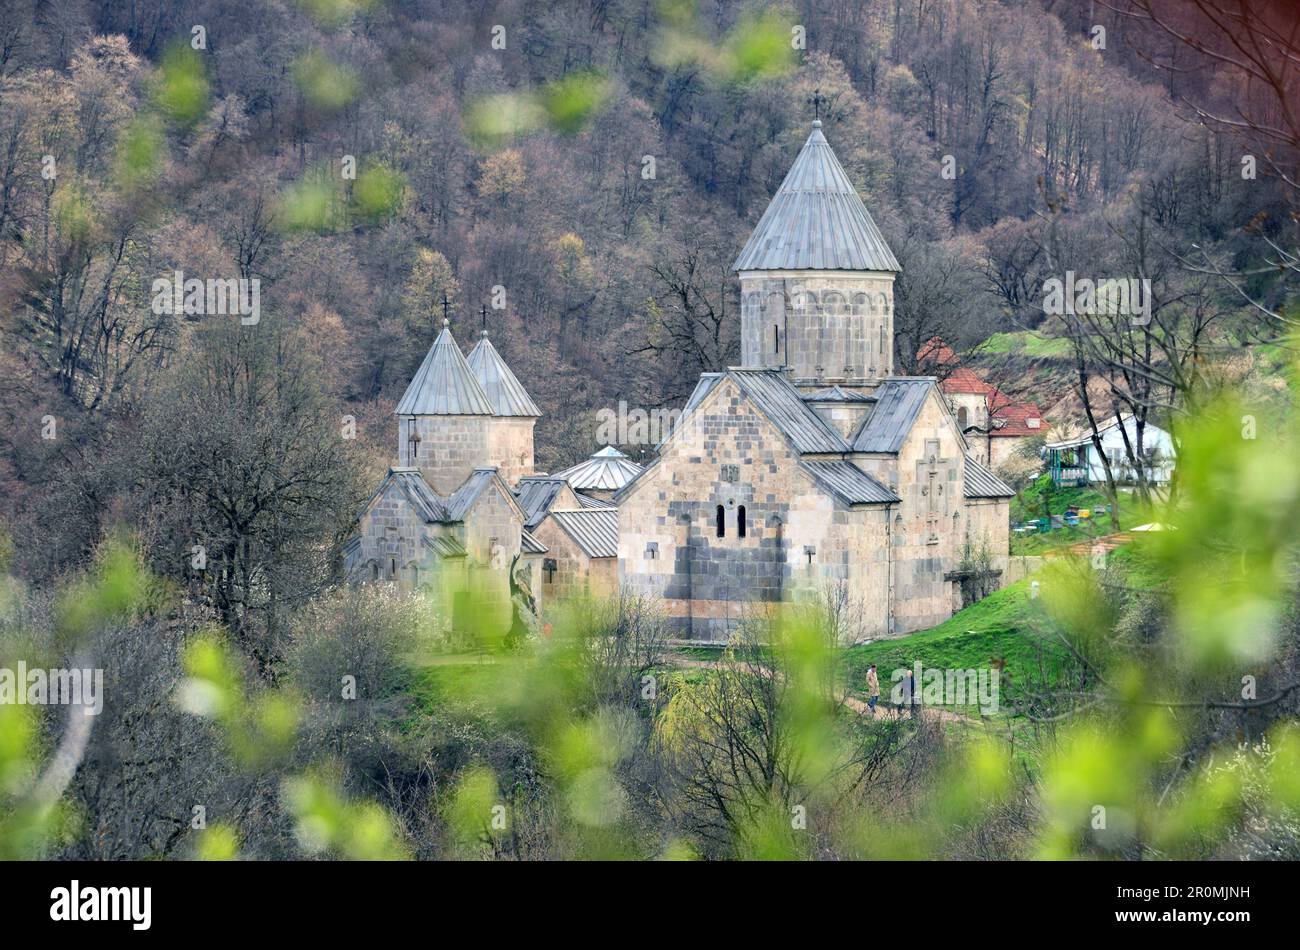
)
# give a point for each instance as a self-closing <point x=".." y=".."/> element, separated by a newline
<point x="961" y="418"/>
<point x="740" y="521"/>
<point x="722" y="522"/>
<point x="776" y="339"/>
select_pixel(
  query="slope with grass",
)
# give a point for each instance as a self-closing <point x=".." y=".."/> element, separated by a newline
<point x="1001" y="629"/>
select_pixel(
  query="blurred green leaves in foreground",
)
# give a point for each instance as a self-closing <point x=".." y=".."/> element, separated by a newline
<point x="115" y="590"/>
<point x="1174" y="742"/>
<point x="760" y="46"/>
<point x="323" y="200"/>
<point x="565" y="106"/>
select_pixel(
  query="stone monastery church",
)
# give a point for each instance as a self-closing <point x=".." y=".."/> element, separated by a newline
<point x="808" y="469"/>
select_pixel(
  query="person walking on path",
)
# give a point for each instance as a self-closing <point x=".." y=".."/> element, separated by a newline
<point x="873" y="689"/>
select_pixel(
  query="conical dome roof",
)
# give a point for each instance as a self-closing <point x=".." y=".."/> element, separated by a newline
<point x="816" y="221"/>
<point x="607" y="470"/>
<point x="444" y="385"/>
<point x="504" y="391"/>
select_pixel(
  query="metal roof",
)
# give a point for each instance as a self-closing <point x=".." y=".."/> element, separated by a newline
<point x="981" y="483"/>
<point x="816" y="221"/>
<point x="850" y="483"/>
<point x="536" y="494"/>
<point x="504" y="391"/>
<point x="423" y="498"/>
<point x="444" y="385"/>
<point x="589" y="502"/>
<point x="530" y="545"/>
<point x="607" y="470"/>
<point x="778" y="399"/>
<point x="463" y="498"/>
<point x="898" y="402"/>
<point x="837" y="394"/>
<point x="594" y="529"/>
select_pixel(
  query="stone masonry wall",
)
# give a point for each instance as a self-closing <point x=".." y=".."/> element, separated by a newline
<point x="391" y="535"/>
<point x="510" y="446"/>
<point x="832" y="327"/>
<point x="450" y="448"/>
<point x="576" y="574"/>
<point x="727" y="454"/>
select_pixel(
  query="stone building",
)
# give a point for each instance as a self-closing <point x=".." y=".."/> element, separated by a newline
<point x="996" y="425"/>
<point x="463" y="509"/>
<point x="807" y="471"/>
<point x="810" y="470"/>
<point x="447" y="513"/>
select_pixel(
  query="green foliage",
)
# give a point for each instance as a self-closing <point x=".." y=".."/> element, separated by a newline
<point x="181" y="91"/>
<point x="1027" y="343"/>
<point x="566" y="106"/>
<point x="1001" y="628"/>
<point x="218" y="842"/>
<point x="259" y="729"/>
<point x="333" y="14"/>
<point x="32" y="812"/>
<point x="313" y="203"/>
<point x="377" y="193"/>
<point x="758" y="48"/>
<point x="571" y="102"/>
<point x="325" y="84"/>
<point x="326" y="822"/>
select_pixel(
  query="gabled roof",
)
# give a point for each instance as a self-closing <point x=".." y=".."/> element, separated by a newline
<point x="816" y="220"/>
<point x="936" y="351"/>
<point x="1016" y="419"/>
<point x="607" y="470"/>
<point x="781" y="402"/>
<point x="504" y="391"/>
<point x="594" y="529"/>
<point x="778" y="399"/>
<point x="898" y="402"/>
<point x="981" y="483"/>
<point x="849" y="483"/>
<point x="837" y="394"/>
<point x="422" y="498"/>
<point x="464" y="497"/>
<point x="444" y="385"/>
<point x="536" y="494"/>
<point x="963" y="380"/>
<point x="530" y="545"/>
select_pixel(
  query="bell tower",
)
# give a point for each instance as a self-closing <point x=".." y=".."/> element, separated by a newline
<point x="817" y="280"/>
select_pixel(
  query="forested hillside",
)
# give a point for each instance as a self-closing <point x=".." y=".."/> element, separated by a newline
<point x="576" y="179"/>
<point x="588" y="173"/>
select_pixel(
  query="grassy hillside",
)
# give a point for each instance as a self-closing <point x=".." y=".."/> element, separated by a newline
<point x="1000" y="627"/>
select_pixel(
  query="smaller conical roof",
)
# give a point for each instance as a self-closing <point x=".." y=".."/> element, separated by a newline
<point x="444" y="385"/>
<point x="504" y="391"/>
<point x="607" y="470"/>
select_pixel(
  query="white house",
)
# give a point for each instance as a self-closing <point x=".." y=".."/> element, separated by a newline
<point x="1074" y="461"/>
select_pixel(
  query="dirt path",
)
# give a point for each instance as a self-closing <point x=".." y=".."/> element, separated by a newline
<point x="1106" y="543"/>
